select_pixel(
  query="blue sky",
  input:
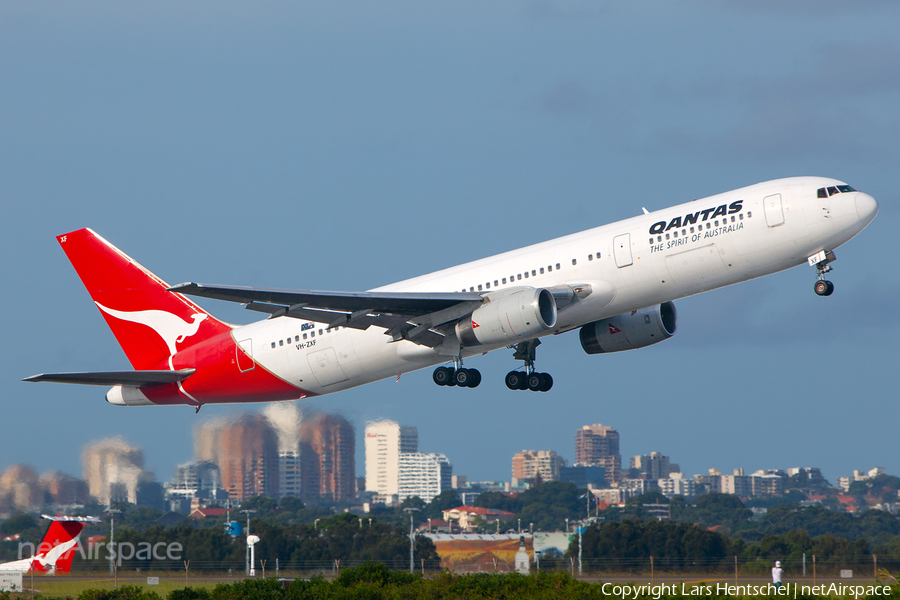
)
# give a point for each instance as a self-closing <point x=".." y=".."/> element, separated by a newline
<point x="349" y="145"/>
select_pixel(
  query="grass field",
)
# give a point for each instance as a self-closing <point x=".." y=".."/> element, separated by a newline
<point x="72" y="585"/>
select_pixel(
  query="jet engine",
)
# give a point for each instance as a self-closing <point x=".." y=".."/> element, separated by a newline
<point x="509" y="319"/>
<point x="630" y="330"/>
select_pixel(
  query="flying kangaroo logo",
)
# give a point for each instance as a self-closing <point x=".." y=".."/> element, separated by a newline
<point x="173" y="330"/>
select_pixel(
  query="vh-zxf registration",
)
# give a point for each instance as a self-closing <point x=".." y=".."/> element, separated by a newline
<point x="615" y="284"/>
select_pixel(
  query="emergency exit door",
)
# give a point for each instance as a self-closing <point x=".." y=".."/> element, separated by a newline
<point x="622" y="250"/>
<point x="774" y="212"/>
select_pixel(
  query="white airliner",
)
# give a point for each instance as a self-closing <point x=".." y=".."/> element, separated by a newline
<point x="614" y="283"/>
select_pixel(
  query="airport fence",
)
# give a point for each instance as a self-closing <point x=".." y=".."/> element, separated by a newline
<point x="807" y="567"/>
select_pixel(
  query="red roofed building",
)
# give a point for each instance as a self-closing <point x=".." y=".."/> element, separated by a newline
<point x="468" y="515"/>
<point x="207" y="513"/>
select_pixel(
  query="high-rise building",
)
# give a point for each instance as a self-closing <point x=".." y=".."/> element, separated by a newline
<point x="20" y="488"/>
<point x="113" y="470"/>
<point x="331" y="441"/>
<point x="385" y="441"/>
<point x="652" y="466"/>
<point x="676" y="484"/>
<point x="528" y="463"/>
<point x="195" y="479"/>
<point x="423" y="475"/>
<point x="247" y="456"/>
<point x="285" y="419"/>
<point x="64" y="488"/>
<point x="599" y="445"/>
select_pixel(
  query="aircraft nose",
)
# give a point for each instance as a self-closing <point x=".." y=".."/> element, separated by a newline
<point x="866" y="208"/>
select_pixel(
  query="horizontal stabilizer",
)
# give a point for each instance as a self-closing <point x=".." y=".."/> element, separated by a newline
<point x="126" y="378"/>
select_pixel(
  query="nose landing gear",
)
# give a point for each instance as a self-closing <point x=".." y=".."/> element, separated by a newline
<point x="824" y="287"/>
<point x="821" y="261"/>
<point x="530" y="379"/>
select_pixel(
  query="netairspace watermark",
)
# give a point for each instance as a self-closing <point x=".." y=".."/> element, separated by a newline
<point x="116" y="551"/>
<point x="789" y="590"/>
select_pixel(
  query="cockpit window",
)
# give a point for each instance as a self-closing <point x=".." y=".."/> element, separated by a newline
<point x="832" y="190"/>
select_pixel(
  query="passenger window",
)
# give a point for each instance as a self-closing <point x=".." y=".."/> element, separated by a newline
<point x="732" y="218"/>
<point x="488" y="285"/>
<point x="312" y="333"/>
<point x="471" y="289"/>
<point x="683" y="232"/>
<point x="692" y="230"/>
<point x="526" y="274"/>
<point x="320" y="332"/>
<point x="519" y="276"/>
<point x="549" y="268"/>
<point x="281" y="342"/>
<point x="709" y="226"/>
<point x="658" y="239"/>
<point x="675" y="233"/>
<point x="749" y="214"/>
<point x="534" y="273"/>
<point x="296" y="338"/>
<point x="542" y="270"/>
<point x="598" y="255"/>
<point x="496" y="283"/>
<point x="591" y="256"/>
<point x="273" y="344"/>
<point x="741" y="216"/>
<point x="667" y="236"/>
<point x="557" y="266"/>
<point x="479" y="287"/>
<point x="304" y="336"/>
<point x="504" y="281"/>
<point x="717" y="222"/>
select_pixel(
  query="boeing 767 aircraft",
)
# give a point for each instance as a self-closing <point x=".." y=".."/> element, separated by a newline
<point x="615" y="284"/>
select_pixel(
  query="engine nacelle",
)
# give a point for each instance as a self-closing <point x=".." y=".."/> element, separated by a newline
<point x="509" y="319"/>
<point x="630" y="330"/>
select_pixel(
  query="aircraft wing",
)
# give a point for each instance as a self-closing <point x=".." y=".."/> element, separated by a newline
<point x="405" y="315"/>
<point x="127" y="378"/>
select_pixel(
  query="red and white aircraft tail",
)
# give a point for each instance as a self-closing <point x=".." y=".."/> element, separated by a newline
<point x="56" y="550"/>
<point x="149" y="322"/>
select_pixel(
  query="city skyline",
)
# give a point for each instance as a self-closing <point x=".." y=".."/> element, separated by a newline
<point x="316" y="147"/>
<point x="112" y="469"/>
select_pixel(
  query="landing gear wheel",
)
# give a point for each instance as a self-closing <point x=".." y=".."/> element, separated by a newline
<point x="535" y="382"/>
<point x="476" y="378"/>
<point x="824" y="287"/>
<point x="548" y="382"/>
<point x="442" y="375"/>
<point x="464" y="377"/>
<point x="515" y="379"/>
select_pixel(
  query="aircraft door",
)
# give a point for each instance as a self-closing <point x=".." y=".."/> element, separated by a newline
<point x="774" y="212"/>
<point x="622" y="250"/>
<point x="243" y="353"/>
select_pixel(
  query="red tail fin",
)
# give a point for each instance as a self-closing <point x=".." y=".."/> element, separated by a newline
<point x="58" y="547"/>
<point x="149" y="322"/>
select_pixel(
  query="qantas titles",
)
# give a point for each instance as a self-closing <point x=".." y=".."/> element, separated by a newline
<point x="691" y="219"/>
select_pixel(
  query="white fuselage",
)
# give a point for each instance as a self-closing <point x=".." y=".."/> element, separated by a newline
<point x="694" y="247"/>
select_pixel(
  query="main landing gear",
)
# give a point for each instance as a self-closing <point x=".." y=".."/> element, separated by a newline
<point x="530" y="379"/>
<point x="821" y="261"/>
<point x="458" y="377"/>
